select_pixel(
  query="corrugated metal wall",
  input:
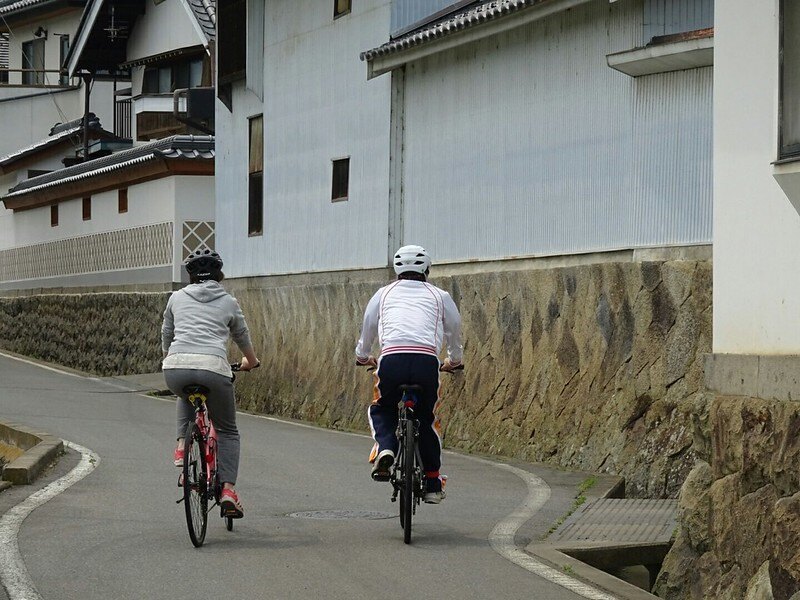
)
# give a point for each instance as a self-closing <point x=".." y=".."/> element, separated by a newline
<point x="663" y="17"/>
<point x="318" y="106"/>
<point x="408" y="12"/>
<point x="528" y="144"/>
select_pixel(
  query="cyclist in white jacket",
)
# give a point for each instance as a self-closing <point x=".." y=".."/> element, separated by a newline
<point x="412" y="320"/>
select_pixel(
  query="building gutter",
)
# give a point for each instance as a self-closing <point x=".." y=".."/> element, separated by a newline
<point x="412" y="51"/>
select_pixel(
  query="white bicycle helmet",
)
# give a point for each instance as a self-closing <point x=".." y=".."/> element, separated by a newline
<point x="411" y="258"/>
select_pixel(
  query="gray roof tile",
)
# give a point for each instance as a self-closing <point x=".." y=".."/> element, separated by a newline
<point x="464" y="19"/>
<point x="176" y="146"/>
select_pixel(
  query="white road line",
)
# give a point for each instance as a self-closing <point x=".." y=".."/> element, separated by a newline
<point x="36" y="364"/>
<point x="13" y="573"/>
<point x="502" y="536"/>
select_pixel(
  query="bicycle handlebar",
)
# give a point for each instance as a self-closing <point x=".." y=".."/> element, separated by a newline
<point x="237" y="366"/>
<point x="451" y="371"/>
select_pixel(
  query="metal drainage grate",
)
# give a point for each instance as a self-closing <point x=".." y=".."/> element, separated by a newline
<point x="340" y="515"/>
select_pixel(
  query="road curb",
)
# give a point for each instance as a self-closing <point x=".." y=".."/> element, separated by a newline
<point x="41" y="449"/>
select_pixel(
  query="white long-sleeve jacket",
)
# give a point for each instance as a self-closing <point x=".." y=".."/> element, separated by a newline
<point x="414" y="317"/>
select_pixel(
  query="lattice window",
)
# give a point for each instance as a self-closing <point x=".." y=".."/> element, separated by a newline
<point x="136" y="248"/>
<point x="196" y="235"/>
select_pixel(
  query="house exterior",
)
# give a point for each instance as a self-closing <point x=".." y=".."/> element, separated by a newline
<point x="480" y="175"/>
<point x="301" y="126"/>
<point x="89" y="208"/>
<point x="33" y="91"/>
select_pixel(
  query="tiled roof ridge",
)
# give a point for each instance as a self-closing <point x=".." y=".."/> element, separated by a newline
<point x="205" y="14"/>
<point x="163" y="147"/>
<point x="94" y="122"/>
<point x="463" y="19"/>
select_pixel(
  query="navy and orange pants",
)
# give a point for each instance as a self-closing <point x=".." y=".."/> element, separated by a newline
<point x="393" y="371"/>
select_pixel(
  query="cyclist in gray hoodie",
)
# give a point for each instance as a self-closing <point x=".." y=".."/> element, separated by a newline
<point x="198" y="321"/>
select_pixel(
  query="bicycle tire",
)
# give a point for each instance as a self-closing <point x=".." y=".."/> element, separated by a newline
<point x="195" y="492"/>
<point x="407" y="490"/>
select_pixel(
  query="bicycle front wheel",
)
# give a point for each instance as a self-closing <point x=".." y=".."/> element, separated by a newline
<point x="195" y="488"/>
<point x="407" y="489"/>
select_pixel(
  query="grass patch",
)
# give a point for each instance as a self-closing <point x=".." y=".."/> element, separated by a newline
<point x="580" y="500"/>
<point x="568" y="569"/>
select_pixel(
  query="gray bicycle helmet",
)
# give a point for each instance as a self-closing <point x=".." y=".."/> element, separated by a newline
<point x="203" y="263"/>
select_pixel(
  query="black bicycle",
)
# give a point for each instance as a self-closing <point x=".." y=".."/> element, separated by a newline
<point x="406" y="476"/>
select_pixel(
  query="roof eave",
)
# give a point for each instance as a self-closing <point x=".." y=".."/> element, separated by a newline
<point x="156" y="167"/>
<point x="23" y="159"/>
<point x="196" y="26"/>
<point x="82" y="34"/>
<point x="378" y="63"/>
<point x="37" y="10"/>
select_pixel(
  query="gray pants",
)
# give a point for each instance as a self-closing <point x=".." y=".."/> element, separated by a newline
<point x="221" y="408"/>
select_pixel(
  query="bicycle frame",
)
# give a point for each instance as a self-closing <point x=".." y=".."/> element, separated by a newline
<point x="400" y="470"/>
<point x="208" y="437"/>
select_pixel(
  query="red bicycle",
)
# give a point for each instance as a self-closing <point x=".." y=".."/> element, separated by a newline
<point x="200" y="477"/>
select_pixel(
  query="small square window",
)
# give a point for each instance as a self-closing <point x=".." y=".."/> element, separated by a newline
<point x="341" y="8"/>
<point x="341" y="179"/>
<point x="87" y="208"/>
<point x="54" y="215"/>
<point x="122" y="200"/>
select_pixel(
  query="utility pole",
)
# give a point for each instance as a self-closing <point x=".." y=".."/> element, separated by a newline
<point x="87" y="79"/>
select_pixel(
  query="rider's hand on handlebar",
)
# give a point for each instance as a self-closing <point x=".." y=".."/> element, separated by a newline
<point x="246" y="366"/>
<point x="449" y="367"/>
<point x="371" y="362"/>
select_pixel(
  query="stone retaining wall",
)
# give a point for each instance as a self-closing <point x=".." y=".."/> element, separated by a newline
<point x="596" y="367"/>
<point x="593" y="366"/>
<point x="739" y="513"/>
<point x="106" y="334"/>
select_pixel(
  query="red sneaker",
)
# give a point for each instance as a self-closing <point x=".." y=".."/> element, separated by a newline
<point x="230" y="505"/>
<point x="178" y="457"/>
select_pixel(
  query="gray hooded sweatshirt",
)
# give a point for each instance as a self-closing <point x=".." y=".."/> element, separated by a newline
<point x="200" y="318"/>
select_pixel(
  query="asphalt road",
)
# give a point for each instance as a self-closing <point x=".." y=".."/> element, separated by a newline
<point x="119" y="534"/>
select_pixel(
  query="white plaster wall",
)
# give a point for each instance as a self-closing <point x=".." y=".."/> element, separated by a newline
<point x="756" y="230"/>
<point x="317" y="106"/>
<point x="148" y="203"/>
<point x="7" y="235"/>
<point x="165" y="26"/>
<point x="28" y="113"/>
<point x="28" y="120"/>
<point x="63" y="24"/>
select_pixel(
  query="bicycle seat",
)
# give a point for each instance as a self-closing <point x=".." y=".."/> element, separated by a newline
<point x="417" y="389"/>
<point x="192" y="389"/>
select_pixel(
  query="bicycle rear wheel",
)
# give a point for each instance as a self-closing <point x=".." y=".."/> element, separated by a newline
<point x="407" y="483"/>
<point x="195" y="488"/>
